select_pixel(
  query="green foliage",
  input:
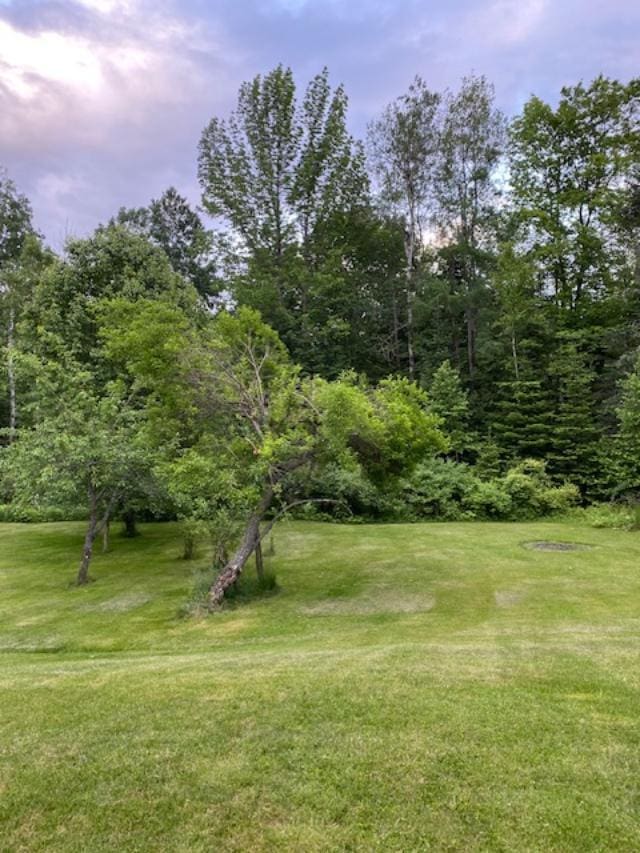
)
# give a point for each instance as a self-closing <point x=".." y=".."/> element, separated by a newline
<point x="64" y="315"/>
<point x="568" y="166"/>
<point x="442" y="488"/>
<point x="81" y="444"/>
<point x="402" y="145"/>
<point x="172" y="225"/>
<point x="609" y="516"/>
<point x="515" y="287"/>
<point x="437" y="489"/>
<point x="277" y="166"/>
<point x="289" y="180"/>
<point x="574" y="430"/>
<point x="471" y="144"/>
<point x="450" y="402"/>
<point x="523" y="422"/>
<point x="520" y="318"/>
<point x="15" y="221"/>
<point x="532" y="492"/>
<point x="28" y="514"/>
<point x="627" y="447"/>
<point x="488" y="463"/>
<point x="343" y="493"/>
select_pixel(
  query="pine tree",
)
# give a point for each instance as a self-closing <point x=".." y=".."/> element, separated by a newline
<point x="628" y="438"/>
<point x="574" y="434"/>
<point x="449" y="401"/>
<point x="523" y="419"/>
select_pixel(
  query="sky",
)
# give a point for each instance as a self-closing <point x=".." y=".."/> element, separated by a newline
<point x="102" y="102"/>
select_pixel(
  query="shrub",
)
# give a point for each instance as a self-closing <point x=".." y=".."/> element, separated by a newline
<point x="36" y="515"/>
<point x="441" y="488"/>
<point x="489" y="499"/>
<point x="616" y="516"/>
<point x="348" y="495"/>
<point x="532" y="491"/>
<point x="437" y="489"/>
<point x="559" y="499"/>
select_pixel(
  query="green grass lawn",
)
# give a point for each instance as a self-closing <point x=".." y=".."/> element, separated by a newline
<point x="409" y="688"/>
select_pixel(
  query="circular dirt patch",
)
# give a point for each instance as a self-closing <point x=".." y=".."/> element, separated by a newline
<point x="555" y="546"/>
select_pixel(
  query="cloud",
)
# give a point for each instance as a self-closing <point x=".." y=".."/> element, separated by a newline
<point x="108" y="6"/>
<point x="62" y="87"/>
<point x="507" y="22"/>
<point x="102" y="101"/>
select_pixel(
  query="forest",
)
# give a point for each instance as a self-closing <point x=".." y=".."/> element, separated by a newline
<point x="440" y="320"/>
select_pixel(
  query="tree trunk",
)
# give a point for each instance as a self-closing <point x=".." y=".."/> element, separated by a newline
<point x="105" y="537"/>
<point x="220" y="555"/>
<point x="471" y="341"/>
<point x="250" y="539"/>
<point x="129" y="520"/>
<point x="395" y="333"/>
<point x="259" y="562"/>
<point x="94" y="528"/>
<point x="514" y="351"/>
<point x="189" y="550"/>
<point x="410" y="352"/>
<point x="92" y="531"/>
<point x="409" y="250"/>
<point x="11" y="377"/>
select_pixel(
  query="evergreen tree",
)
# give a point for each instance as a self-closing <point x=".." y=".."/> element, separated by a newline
<point x="449" y="401"/>
<point x="627" y="444"/>
<point x="523" y="419"/>
<point x="171" y="224"/>
<point x="574" y="432"/>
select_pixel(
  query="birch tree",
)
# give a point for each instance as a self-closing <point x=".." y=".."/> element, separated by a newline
<point x="17" y="243"/>
<point x="403" y="146"/>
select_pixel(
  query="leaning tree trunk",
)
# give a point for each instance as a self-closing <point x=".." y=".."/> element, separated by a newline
<point x="250" y="539"/>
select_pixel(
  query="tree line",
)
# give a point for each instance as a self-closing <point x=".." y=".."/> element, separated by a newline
<point x="440" y="319"/>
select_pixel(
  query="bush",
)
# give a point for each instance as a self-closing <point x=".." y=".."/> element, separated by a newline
<point x="437" y="489"/>
<point x="559" y="499"/>
<point x="344" y="494"/>
<point x="615" y="516"/>
<point x="533" y="494"/>
<point x="37" y="515"/>
<point x="441" y="488"/>
<point x="489" y="500"/>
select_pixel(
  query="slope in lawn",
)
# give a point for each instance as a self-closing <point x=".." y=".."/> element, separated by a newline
<point x="409" y="687"/>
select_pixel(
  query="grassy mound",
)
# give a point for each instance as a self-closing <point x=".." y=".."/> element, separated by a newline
<point x="407" y="688"/>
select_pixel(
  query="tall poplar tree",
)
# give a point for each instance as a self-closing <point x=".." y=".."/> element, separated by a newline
<point x="403" y="145"/>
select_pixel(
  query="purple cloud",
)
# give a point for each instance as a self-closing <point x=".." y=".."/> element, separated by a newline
<point x="102" y="101"/>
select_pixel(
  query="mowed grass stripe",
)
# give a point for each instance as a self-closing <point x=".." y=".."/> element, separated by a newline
<point x="502" y="717"/>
